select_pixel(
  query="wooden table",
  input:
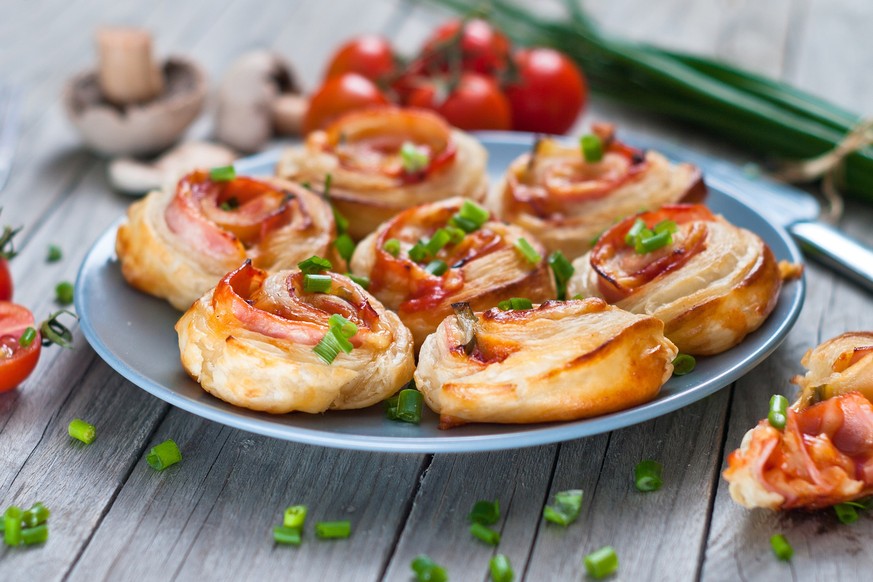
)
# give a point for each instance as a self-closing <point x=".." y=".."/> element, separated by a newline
<point x="210" y="517"/>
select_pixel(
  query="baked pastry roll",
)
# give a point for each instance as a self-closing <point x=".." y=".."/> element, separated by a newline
<point x="561" y="360"/>
<point x="384" y="160"/>
<point x="176" y="245"/>
<point x="566" y="202"/>
<point x="710" y="282"/>
<point x="420" y="262"/>
<point x="839" y="365"/>
<point x="252" y="341"/>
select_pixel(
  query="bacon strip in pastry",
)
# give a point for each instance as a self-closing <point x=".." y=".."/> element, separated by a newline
<point x="250" y="341"/>
<point x="177" y="244"/>
<point x="557" y="361"/>
<point x="369" y="182"/>
<point x="567" y="202"/>
<point x="482" y="267"/>
<point x="711" y="286"/>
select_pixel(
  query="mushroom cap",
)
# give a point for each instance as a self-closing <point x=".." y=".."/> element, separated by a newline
<point x="137" y="129"/>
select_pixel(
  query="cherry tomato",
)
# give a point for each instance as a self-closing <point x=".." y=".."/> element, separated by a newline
<point x="550" y="94"/>
<point x="16" y="361"/>
<point x="370" y="56"/>
<point x="476" y="103"/>
<point x="484" y="49"/>
<point x="339" y="95"/>
<point x="5" y="281"/>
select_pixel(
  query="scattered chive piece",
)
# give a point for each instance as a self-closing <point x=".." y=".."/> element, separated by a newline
<point x="426" y="570"/>
<point x="229" y="204"/>
<point x="501" y="569"/>
<point x="601" y="563"/>
<point x="486" y="534"/>
<point x="635" y="231"/>
<point x="437" y="267"/>
<point x="414" y="158"/>
<point x="27" y="337"/>
<point x="345" y="246"/>
<point x="683" y="364"/>
<point x="781" y="547"/>
<point x="317" y="283"/>
<point x="405" y="406"/>
<point x="343" y="325"/>
<point x="287" y="535"/>
<point x="392" y="247"/>
<point x="485" y="512"/>
<point x="36" y="515"/>
<point x="163" y="455"/>
<point x="647" y="476"/>
<point x="515" y="303"/>
<point x="567" y="507"/>
<point x="456" y="234"/>
<point x="361" y="280"/>
<point x="439" y="239"/>
<point x="778" y="411"/>
<point x="592" y="148"/>
<point x="339" y="331"/>
<point x="295" y="516"/>
<point x="846" y="513"/>
<point x="34" y="535"/>
<point x="342" y="223"/>
<point x="64" y="293"/>
<point x="314" y="265"/>
<point x="470" y="217"/>
<point x="666" y="226"/>
<point x="12" y="525"/>
<point x="222" y="174"/>
<point x="654" y="242"/>
<point x="529" y="253"/>
<point x="83" y="431"/>
<point x="331" y="530"/>
<point x="563" y="269"/>
<point x="418" y="252"/>
<point x="54" y="254"/>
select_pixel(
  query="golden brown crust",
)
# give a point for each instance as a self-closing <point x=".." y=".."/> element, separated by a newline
<point x="838" y="366"/>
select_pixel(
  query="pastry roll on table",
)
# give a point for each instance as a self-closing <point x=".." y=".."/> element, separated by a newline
<point x="566" y="201"/>
<point x="420" y="262"/>
<point x="556" y="361"/>
<point x="384" y="160"/>
<point x="710" y="282"/>
<point x="257" y="341"/>
<point x="176" y="245"/>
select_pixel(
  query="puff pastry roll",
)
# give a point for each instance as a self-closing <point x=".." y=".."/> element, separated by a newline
<point x="710" y="282"/>
<point x="839" y="365"/>
<point x="384" y="160"/>
<point x="557" y="361"/>
<point x="421" y="261"/>
<point x="253" y="341"/>
<point x="566" y="201"/>
<point x="176" y="245"/>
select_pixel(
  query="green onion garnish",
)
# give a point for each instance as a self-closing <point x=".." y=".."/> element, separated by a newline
<point x="392" y="247"/>
<point x="592" y="148"/>
<point x="331" y="530"/>
<point x="12" y="526"/>
<point x="437" y="267"/>
<point x="781" y="547"/>
<point x="414" y="158"/>
<point x="64" y="293"/>
<point x="229" y="204"/>
<point x="563" y="269"/>
<point x="55" y="332"/>
<point x="654" y="242"/>
<point x="439" y="239"/>
<point x="529" y="253"/>
<point x="295" y="516"/>
<point x="54" y="254"/>
<point x="164" y="455"/>
<point x="456" y="234"/>
<point x="361" y="280"/>
<point x="601" y="563"/>
<point x="405" y="406"/>
<point x="314" y="265"/>
<point x="27" y="337"/>
<point x="345" y="246"/>
<point x="470" y="217"/>
<point x="317" y="283"/>
<point x="34" y="535"/>
<point x="287" y="535"/>
<point x="342" y="223"/>
<point x="426" y="570"/>
<point x="666" y="226"/>
<point x="635" y="231"/>
<point x="36" y="515"/>
<point x="647" y="476"/>
<point x="485" y="512"/>
<point x="339" y="331"/>
<point x="418" y="252"/>
<point x="567" y="507"/>
<point x="222" y="174"/>
<point x="846" y="513"/>
<point x="515" y="303"/>
<point x="683" y="364"/>
<point x="501" y="569"/>
<point x="83" y="431"/>
<point x="486" y="534"/>
<point x="778" y="411"/>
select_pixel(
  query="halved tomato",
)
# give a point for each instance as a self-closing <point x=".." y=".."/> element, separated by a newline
<point x="17" y="361"/>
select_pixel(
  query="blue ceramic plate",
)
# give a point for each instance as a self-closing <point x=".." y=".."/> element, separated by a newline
<point x="134" y="334"/>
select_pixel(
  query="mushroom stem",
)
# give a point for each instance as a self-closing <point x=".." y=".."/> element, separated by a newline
<point x="127" y="72"/>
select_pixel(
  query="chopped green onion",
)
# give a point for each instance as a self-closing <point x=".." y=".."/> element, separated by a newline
<point x="314" y="265"/>
<point x="64" y="293"/>
<point x="287" y="535"/>
<point x="515" y="303"/>
<point x="342" y="223"/>
<point x="12" y="526"/>
<point x="54" y="254"/>
<point x="27" y="337"/>
<point x="339" y="331"/>
<point x="647" y="476"/>
<point x="317" y="283"/>
<point x="439" y="239"/>
<point x="470" y="217"/>
<point x="567" y="507"/>
<point x="683" y="364"/>
<point x="486" y="534"/>
<point x="83" y="431"/>
<point x="414" y="158"/>
<point x="437" y="267"/>
<point x="485" y="512"/>
<point x="666" y="226"/>
<point x="405" y="406"/>
<point x="781" y="547"/>
<point x="164" y="455"/>
<point x="601" y="563"/>
<point x="418" y="252"/>
<point x="426" y="570"/>
<point x="456" y="234"/>
<point x="345" y="246"/>
<point x="34" y="535"/>
<point x="36" y="515"/>
<point x="778" y="411"/>
<point x="846" y="513"/>
<point x="229" y="204"/>
<point x="527" y="251"/>
<point x="635" y="231"/>
<point x="347" y="328"/>
<point x="592" y="148"/>
<point x="222" y="174"/>
<point x="392" y="247"/>
<point x="501" y="569"/>
<point x="361" y="280"/>
<point x="563" y="269"/>
<point x="652" y="243"/>
<point x="330" y="530"/>
<point x="464" y="224"/>
<point x="295" y="516"/>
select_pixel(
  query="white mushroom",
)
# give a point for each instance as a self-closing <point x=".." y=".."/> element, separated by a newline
<point x="134" y="177"/>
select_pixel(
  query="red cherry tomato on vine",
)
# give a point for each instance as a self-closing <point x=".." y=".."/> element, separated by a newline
<point x="550" y="94"/>
<point x="339" y="95"/>
<point x="476" y="103"/>
<point x="370" y="56"/>
<point x="16" y="361"/>
<point x="484" y="49"/>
